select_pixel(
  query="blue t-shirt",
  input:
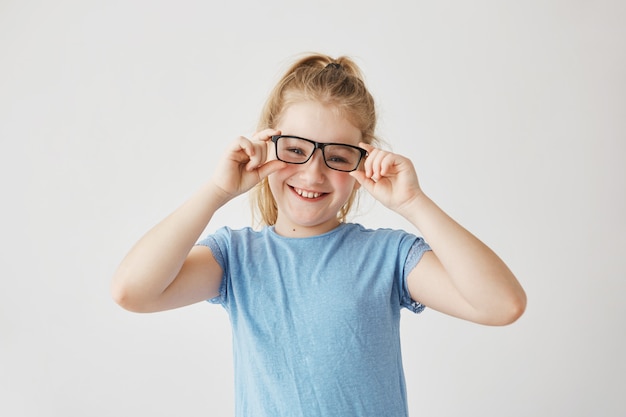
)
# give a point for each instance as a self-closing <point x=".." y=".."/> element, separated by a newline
<point x="316" y="320"/>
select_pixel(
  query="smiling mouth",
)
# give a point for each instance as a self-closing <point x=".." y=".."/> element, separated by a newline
<point x="306" y="194"/>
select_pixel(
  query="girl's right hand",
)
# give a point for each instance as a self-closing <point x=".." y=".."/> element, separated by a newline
<point x="246" y="162"/>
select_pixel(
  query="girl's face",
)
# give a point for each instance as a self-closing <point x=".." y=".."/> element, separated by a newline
<point x="310" y="195"/>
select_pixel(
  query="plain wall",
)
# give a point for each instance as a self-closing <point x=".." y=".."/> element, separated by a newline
<point x="113" y="112"/>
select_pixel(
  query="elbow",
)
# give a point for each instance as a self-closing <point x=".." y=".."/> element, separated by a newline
<point x="124" y="296"/>
<point x="125" y="300"/>
<point x="121" y="296"/>
<point x="511" y="316"/>
<point x="510" y="305"/>
<point x="517" y="306"/>
<point x="510" y="312"/>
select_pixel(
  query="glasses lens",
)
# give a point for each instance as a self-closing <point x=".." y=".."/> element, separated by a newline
<point x="293" y="150"/>
<point x="296" y="150"/>
<point x="341" y="157"/>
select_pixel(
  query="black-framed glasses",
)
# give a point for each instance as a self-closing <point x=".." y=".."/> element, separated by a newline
<point x="337" y="156"/>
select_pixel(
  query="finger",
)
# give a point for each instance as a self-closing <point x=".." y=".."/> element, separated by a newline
<point x="259" y="157"/>
<point x="367" y="163"/>
<point x="264" y="148"/>
<point x="263" y="138"/>
<point x="359" y="176"/>
<point x="387" y="163"/>
<point x="375" y="160"/>
<point x="369" y="148"/>
<point x="242" y="149"/>
<point x="270" y="167"/>
<point x="367" y="183"/>
<point x="265" y="134"/>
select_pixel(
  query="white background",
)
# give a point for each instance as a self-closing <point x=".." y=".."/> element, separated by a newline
<point x="113" y="112"/>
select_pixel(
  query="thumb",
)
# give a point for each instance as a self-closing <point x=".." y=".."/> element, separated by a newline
<point x="270" y="167"/>
<point x="359" y="175"/>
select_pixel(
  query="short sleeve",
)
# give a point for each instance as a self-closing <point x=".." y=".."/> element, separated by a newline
<point x="212" y="243"/>
<point x="416" y="252"/>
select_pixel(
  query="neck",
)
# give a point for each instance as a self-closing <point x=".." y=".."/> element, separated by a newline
<point x="299" y="231"/>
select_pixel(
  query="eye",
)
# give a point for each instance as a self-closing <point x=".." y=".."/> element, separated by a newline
<point x="342" y="157"/>
<point x="337" y="159"/>
<point x="295" y="150"/>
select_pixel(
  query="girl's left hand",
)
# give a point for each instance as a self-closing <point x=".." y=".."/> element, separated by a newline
<point x="390" y="178"/>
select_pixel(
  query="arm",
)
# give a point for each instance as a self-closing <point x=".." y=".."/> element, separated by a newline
<point x="461" y="277"/>
<point x="165" y="269"/>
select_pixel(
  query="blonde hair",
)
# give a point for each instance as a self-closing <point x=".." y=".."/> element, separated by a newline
<point x="321" y="78"/>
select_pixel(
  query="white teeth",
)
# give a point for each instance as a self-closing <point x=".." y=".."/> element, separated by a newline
<point x="307" y="194"/>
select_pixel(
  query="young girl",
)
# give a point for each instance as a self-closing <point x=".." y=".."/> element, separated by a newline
<point x="315" y="301"/>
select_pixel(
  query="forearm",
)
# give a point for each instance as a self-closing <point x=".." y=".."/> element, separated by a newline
<point x="155" y="260"/>
<point x="479" y="275"/>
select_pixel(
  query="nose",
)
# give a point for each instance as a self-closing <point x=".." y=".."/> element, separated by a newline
<point x="313" y="170"/>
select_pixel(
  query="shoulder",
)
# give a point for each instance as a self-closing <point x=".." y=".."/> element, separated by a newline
<point x="226" y="237"/>
<point x="356" y="229"/>
<point x="226" y="232"/>
<point x="359" y="237"/>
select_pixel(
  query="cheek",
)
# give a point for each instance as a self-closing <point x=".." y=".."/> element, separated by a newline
<point x="278" y="178"/>
<point x="345" y="183"/>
